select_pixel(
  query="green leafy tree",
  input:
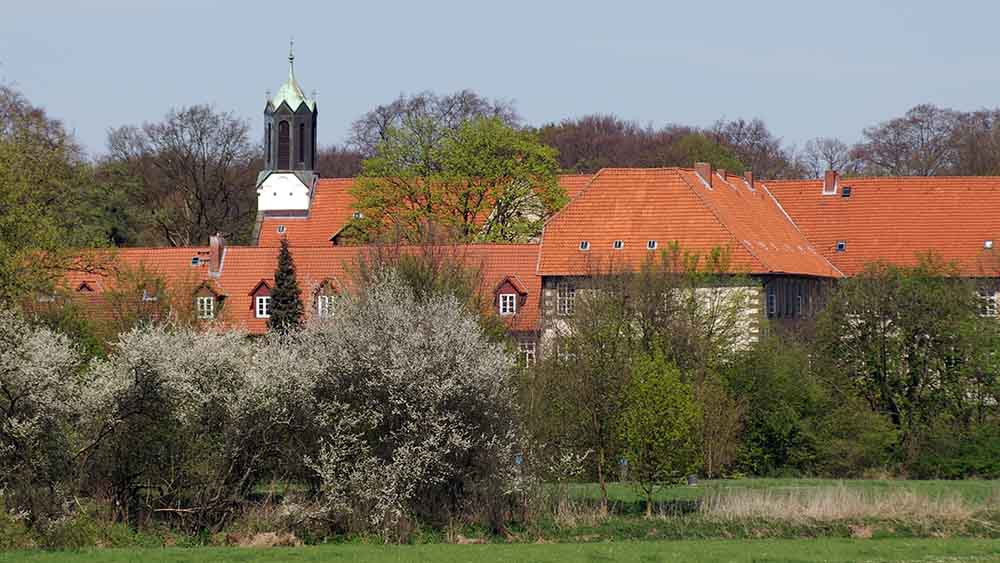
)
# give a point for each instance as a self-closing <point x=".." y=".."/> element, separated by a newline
<point x="910" y="342"/>
<point x="658" y="426"/>
<point x="286" y="297"/>
<point x="482" y="181"/>
<point x="49" y="200"/>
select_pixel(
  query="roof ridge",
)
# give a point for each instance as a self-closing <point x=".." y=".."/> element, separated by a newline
<point x="715" y="213"/>
<point x="798" y="230"/>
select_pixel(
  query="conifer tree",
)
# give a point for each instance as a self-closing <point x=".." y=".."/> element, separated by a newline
<point x="286" y="298"/>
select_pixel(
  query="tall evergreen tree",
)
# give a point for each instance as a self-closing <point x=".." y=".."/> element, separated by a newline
<point x="286" y="297"/>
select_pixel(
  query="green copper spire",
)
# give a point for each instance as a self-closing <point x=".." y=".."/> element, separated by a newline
<point x="290" y="92"/>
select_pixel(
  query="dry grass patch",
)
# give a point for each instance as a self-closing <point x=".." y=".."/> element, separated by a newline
<point x="836" y="503"/>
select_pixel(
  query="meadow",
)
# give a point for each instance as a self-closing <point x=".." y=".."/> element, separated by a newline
<point x="693" y="551"/>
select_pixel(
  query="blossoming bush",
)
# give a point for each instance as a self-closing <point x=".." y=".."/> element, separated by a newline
<point x="415" y="411"/>
<point x="184" y="425"/>
<point x="40" y="386"/>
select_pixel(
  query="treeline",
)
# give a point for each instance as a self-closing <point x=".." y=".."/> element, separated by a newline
<point x="188" y="175"/>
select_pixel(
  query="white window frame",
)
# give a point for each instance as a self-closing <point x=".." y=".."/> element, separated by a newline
<point x="772" y="302"/>
<point x="508" y="304"/>
<point x="989" y="300"/>
<point x="262" y="306"/>
<point x="565" y="299"/>
<point x="205" y="304"/>
<point x="324" y="306"/>
<point x="650" y="244"/>
<point x="528" y="352"/>
<point x="148" y="297"/>
<point x="618" y="244"/>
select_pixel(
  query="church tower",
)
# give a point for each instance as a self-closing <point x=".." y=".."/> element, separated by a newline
<point x="286" y="184"/>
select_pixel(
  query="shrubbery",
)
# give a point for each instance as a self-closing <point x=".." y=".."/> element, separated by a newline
<point x="398" y="411"/>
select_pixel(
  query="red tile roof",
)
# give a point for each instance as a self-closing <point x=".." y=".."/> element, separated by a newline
<point x="894" y="219"/>
<point x="330" y="210"/>
<point x="243" y="268"/>
<point x="674" y="204"/>
<point x="332" y="207"/>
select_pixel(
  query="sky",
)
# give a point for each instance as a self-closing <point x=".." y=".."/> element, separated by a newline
<point x="808" y="69"/>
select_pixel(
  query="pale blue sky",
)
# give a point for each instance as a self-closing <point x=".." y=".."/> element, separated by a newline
<point x="807" y="68"/>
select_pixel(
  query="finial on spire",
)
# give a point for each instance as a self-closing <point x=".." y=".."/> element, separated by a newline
<point x="291" y="50"/>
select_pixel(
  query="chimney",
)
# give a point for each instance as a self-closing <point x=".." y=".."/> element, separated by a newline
<point x="722" y="173"/>
<point x="216" y="250"/>
<point x="830" y="181"/>
<point x="748" y="178"/>
<point x="704" y="170"/>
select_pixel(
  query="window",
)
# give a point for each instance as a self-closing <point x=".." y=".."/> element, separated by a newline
<point x="798" y="305"/>
<point x="281" y="229"/>
<point x="263" y="306"/>
<point x="772" y="302"/>
<point x="206" y="307"/>
<point x="841" y="245"/>
<point x="527" y="349"/>
<point x="565" y="298"/>
<point x="267" y="143"/>
<point x="988" y="244"/>
<point x="846" y="192"/>
<point x="618" y="244"/>
<point x="650" y="245"/>
<point x="148" y="297"/>
<point x="508" y="303"/>
<point x="301" y="147"/>
<point x="284" y="151"/>
<point x="989" y="302"/>
<point x="358" y="215"/>
<point x="584" y="245"/>
<point x="196" y="261"/>
<point x="324" y="306"/>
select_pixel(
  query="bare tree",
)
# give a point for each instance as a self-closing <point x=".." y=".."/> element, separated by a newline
<point x="755" y="146"/>
<point x="921" y="143"/>
<point x="977" y="143"/>
<point x="427" y="116"/>
<point x="195" y="171"/>
<point x="337" y="161"/>
<point x="828" y="153"/>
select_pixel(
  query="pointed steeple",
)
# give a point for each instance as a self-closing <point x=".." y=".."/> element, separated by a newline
<point x="290" y="92"/>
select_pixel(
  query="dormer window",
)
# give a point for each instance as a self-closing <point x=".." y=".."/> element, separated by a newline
<point x="841" y="246"/>
<point x="196" y="261"/>
<point x="508" y="304"/>
<point x="584" y="245"/>
<point x="262" y="306"/>
<point x="281" y="228"/>
<point x="205" y="305"/>
<point x="509" y="295"/>
<point x="618" y="244"/>
<point x="650" y="245"/>
<point x="324" y="299"/>
<point x="261" y="303"/>
<point x="988" y="244"/>
<point x="148" y="297"/>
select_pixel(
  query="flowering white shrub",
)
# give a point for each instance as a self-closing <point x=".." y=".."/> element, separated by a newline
<point x="40" y="386"/>
<point x="184" y="422"/>
<point x="415" y="408"/>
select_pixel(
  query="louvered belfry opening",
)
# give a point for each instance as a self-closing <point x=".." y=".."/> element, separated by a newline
<point x="284" y="146"/>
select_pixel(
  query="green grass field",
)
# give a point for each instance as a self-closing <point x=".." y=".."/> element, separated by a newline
<point x="771" y="551"/>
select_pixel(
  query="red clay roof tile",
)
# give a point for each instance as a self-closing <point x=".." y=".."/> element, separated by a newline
<point x="895" y="219"/>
